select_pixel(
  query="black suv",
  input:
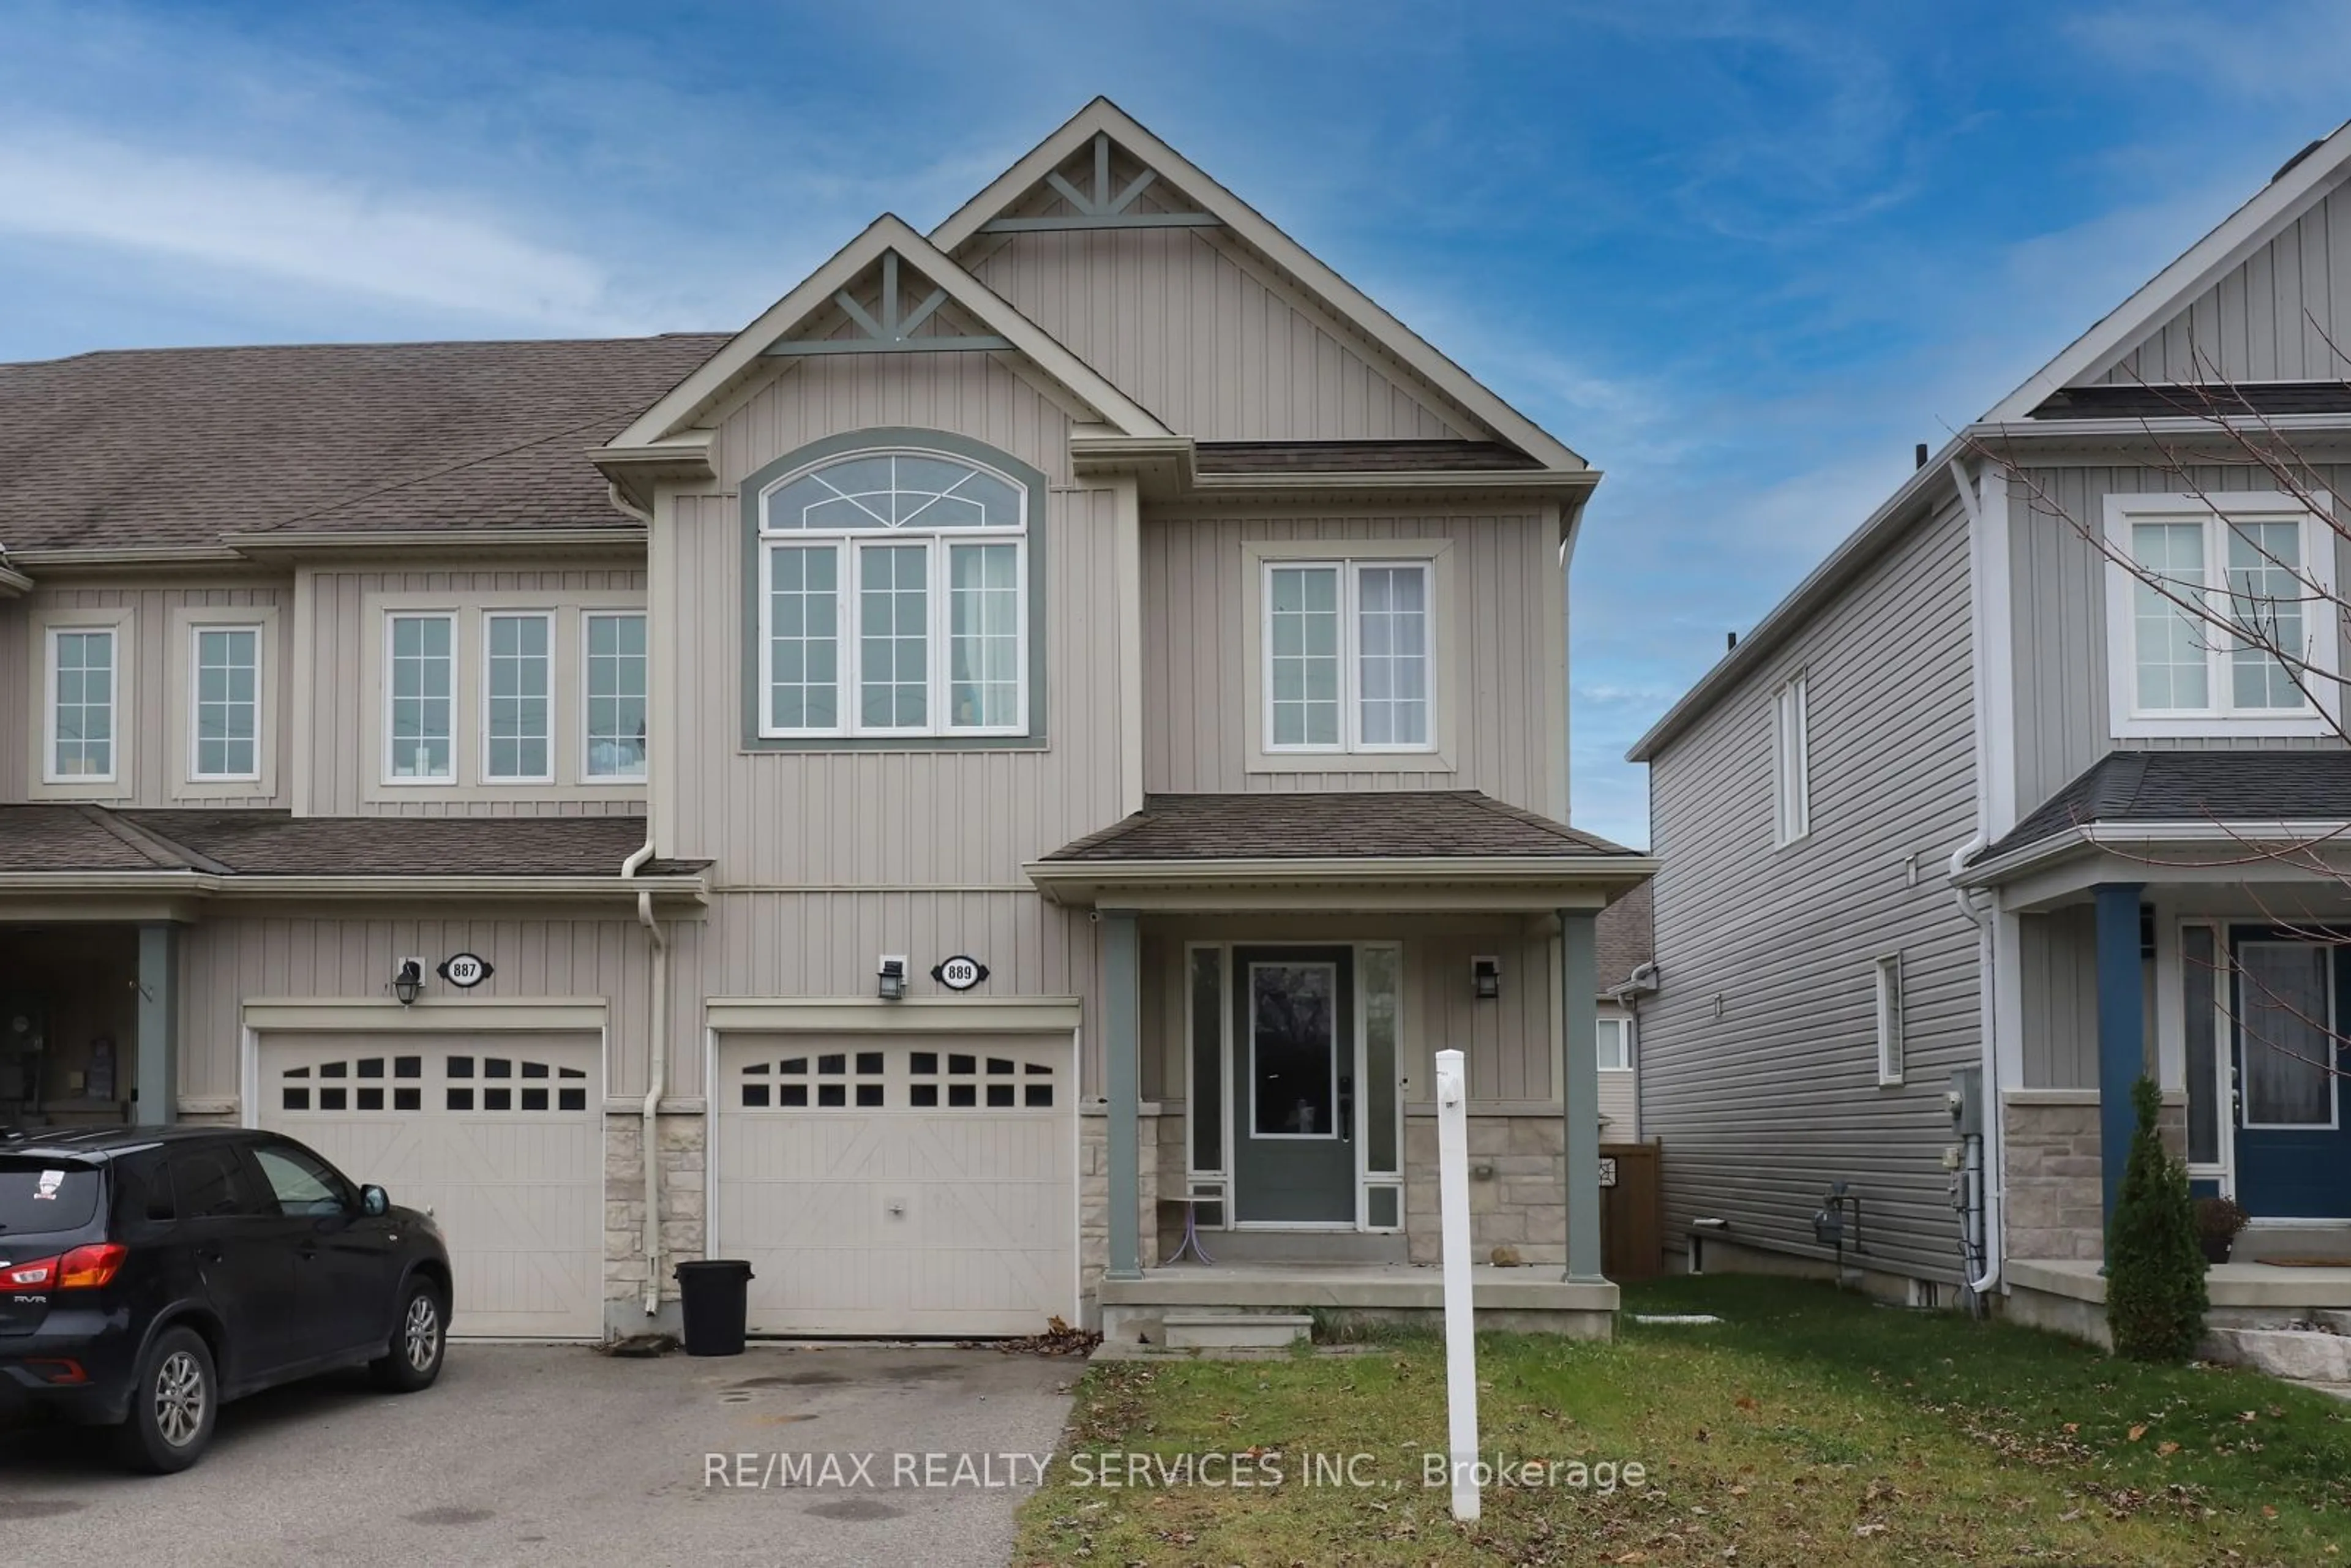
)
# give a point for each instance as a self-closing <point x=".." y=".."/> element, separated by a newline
<point x="149" y="1273"/>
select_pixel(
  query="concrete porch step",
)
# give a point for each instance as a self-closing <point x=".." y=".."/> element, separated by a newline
<point x="1235" y="1331"/>
<point x="2298" y="1355"/>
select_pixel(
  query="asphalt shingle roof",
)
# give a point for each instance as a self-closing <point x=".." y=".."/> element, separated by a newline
<point x="1402" y="823"/>
<point x="2245" y="787"/>
<point x="1356" y="456"/>
<point x="1627" y="938"/>
<point x="177" y="447"/>
<point x="277" y="843"/>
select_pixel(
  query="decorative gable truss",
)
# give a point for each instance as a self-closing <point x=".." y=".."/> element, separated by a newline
<point x="893" y="324"/>
<point x="1116" y="200"/>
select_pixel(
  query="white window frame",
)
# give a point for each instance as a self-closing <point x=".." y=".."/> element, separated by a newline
<point x="384" y="738"/>
<point x="587" y="774"/>
<point x="1622" y="1027"/>
<point x="938" y="542"/>
<point x="196" y="633"/>
<point x="1350" y="569"/>
<point x="482" y="694"/>
<point x="1888" y="1010"/>
<point x="1792" y="761"/>
<point x="2125" y="717"/>
<point x="118" y="648"/>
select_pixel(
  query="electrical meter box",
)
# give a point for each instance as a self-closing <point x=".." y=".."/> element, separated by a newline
<point x="1967" y="1102"/>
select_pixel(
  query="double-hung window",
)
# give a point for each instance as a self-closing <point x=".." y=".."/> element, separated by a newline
<point x="894" y="599"/>
<point x="225" y="739"/>
<point x="2218" y="615"/>
<point x="517" y="711"/>
<point x="1613" y="1044"/>
<point x="420" y="719"/>
<point x="616" y="695"/>
<point x="1348" y="655"/>
<point x="1791" y="762"/>
<point x="83" y="682"/>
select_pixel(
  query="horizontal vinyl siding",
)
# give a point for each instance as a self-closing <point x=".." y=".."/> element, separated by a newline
<point x="1761" y="1108"/>
<point x="1199" y="710"/>
<point x="2269" y="320"/>
<point x="348" y="711"/>
<point x="1209" y="342"/>
<point x="226" y="962"/>
<point x="2057" y="583"/>
<point x="159" y="669"/>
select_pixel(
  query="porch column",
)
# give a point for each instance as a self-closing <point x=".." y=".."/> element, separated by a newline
<point x="1121" y="1076"/>
<point x="158" y="1079"/>
<point x="1579" y="988"/>
<point x="2122" y="1030"/>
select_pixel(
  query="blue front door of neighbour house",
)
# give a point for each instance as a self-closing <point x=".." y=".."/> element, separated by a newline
<point x="2293" y="1118"/>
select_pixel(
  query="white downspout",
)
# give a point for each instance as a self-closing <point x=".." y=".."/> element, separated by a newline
<point x="657" y="1072"/>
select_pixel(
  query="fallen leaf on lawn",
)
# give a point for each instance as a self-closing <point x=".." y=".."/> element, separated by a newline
<point x="2071" y="1427"/>
<point x="1633" y="1557"/>
<point x="1744" y="1402"/>
<point x="2136" y="1433"/>
<point x="2268" y="1512"/>
<point x="1868" y="1529"/>
<point x="2165" y="1450"/>
<point x="1739" y="1491"/>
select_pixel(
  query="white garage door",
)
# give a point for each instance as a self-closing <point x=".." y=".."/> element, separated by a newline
<point x="925" y="1185"/>
<point x="501" y="1135"/>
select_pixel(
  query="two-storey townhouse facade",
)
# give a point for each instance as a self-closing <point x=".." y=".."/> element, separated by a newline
<point x="1029" y="746"/>
<point x="2024" y="826"/>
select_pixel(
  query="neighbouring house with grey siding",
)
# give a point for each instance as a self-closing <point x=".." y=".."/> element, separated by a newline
<point x="1973" y="806"/>
<point x="995" y="777"/>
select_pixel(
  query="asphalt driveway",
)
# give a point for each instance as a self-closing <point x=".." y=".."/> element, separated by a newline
<point x="551" y="1454"/>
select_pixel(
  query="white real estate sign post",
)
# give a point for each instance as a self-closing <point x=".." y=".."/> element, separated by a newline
<point x="1460" y="1313"/>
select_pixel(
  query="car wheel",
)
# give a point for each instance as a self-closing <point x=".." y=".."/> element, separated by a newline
<point x="172" y="1404"/>
<point x="420" y="1338"/>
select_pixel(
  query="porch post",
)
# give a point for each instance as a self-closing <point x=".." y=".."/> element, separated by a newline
<point x="1121" y="1075"/>
<point x="2122" y="1030"/>
<point x="1579" y="988"/>
<point x="158" y="1079"/>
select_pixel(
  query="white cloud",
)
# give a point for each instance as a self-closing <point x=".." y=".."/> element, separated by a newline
<point x="294" y="227"/>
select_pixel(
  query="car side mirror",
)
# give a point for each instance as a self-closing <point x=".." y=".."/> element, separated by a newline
<point x="374" y="1201"/>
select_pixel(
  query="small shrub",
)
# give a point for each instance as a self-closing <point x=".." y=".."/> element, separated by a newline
<point x="2155" y="1263"/>
<point x="2218" y="1220"/>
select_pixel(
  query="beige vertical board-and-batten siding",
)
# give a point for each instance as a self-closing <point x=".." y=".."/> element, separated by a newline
<point x="827" y="859"/>
<point x="2057" y="583"/>
<point x="1762" y="1106"/>
<point x="1211" y="342"/>
<point x="226" y="961"/>
<point x="347" y="709"/>
<point x="2057" y="993"/>
<point x="1503" y="620"/>
<point x="159" y="671"/>
<point x="2270" y="319"/>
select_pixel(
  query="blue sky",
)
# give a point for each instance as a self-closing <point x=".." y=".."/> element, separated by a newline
<point x="1741" y="257"/>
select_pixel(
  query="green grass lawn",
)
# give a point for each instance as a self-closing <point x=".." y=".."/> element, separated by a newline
<point x="1809" y="1428"/>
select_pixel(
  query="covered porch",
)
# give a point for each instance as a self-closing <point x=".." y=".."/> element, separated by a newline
<point x="2185" y="916"/>
<point x="1277" y="972"/>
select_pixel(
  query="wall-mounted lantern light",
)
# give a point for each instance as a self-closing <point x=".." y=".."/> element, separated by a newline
<point x="891" y="976"/>
<point x="408" y="982"/>
<point x="1486" y="977"/>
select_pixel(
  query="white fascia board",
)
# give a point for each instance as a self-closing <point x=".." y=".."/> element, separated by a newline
<point x="624" y="536"/>
<point x="13" y="584"/>
<point x="1516" y="883"/>
<point x="1253" y="229"/>
<point x="2244" y="230"/>
<point x="2143" y="837"/>
<point x="1894" y="515"/>
<point x="744" y="352"/>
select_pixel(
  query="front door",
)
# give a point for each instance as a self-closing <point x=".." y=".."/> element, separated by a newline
<point x="2293" y="1146"/>
<point x="1294" y="1090"/>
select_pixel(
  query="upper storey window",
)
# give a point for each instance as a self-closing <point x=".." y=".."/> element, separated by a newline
<point x="1347" y="655"/>
<point x="894" y="599"/>
<point x="2220" y="626"/>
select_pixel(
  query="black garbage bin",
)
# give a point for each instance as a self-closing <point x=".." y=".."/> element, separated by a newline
<point x="714" y="1297"/>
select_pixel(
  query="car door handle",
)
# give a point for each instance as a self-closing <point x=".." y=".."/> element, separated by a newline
<point x="208" y="1254"/>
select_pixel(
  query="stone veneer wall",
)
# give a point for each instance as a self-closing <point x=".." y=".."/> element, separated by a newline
<point x="2055" y="1205"/>
<point x="680" y="1140"/>
<point x="1523" y="1204"/>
